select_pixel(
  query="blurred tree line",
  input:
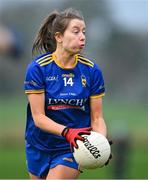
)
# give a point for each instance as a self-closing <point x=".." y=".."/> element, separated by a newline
<point x="122" y="55"/>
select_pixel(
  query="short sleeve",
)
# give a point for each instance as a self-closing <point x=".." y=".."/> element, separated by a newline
<point x="97" y="83"/>
<point x="33" y="79"/>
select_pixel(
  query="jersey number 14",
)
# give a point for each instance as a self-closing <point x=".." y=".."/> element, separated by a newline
<point x="68" y="81"/>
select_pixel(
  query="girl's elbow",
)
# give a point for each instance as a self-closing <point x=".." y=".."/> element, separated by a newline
<point x="37" y="124"/>
<point x="37" y="120"/>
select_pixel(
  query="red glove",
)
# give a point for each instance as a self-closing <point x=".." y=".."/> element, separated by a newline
<point x="72" y="135"/>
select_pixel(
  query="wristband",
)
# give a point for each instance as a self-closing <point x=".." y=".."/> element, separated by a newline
<point x="65" y="131"/>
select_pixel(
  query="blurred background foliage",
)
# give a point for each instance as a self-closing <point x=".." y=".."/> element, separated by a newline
<point x="117" y="40"/>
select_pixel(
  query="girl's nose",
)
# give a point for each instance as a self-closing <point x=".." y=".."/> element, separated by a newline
<point x="82" y="36"/>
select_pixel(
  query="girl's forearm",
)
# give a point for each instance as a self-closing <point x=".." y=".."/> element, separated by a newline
<point x="47" y="124"/>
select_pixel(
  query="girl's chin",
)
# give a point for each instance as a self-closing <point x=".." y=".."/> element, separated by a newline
<point x="78" y="50"/>
<point x="75" y="51"/>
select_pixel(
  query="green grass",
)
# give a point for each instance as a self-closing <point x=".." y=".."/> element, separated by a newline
<point x="12" y="111"/>
<point x="13" y="159"/>
<point x="13" y="165"/>
<point x="133" y="116"/>
<point x="139" y="162"/>
<point x="123" y="120"/>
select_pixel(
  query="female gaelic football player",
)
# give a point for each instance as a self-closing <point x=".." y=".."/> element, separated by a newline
<point x="65" y="91"/>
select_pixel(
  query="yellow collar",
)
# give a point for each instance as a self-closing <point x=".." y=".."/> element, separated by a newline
<point x="61" y="66"/>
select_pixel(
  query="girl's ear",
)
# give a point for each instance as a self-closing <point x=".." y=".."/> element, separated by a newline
<point x="58" y="36"/>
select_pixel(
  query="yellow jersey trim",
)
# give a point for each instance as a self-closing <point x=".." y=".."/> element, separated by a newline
<point x="47" y="56"/>
<point x="61" y="66"/>
<point x="44" y="60"/>
<point x="34" y="91"/>
<point x="85" y="59"/>
<point x="83" y="62"/>
<point x="97" y="96"/>
<point x="48" y="62"/>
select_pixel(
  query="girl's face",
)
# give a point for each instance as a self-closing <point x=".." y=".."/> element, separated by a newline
<point x="73" y="39"/>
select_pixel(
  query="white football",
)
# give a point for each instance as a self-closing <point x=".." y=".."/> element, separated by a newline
<point x="93" y="152"/>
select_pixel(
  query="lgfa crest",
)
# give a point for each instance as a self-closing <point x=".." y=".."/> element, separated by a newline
<point x="83" y="80"/>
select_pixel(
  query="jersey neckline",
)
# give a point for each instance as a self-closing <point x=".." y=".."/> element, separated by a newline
<point x="61" y="66"/>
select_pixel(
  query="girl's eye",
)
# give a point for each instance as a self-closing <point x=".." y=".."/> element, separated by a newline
<point x="76" y="32"/>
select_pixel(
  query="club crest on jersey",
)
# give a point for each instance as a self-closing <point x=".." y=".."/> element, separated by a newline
<point x="83" y="80"/>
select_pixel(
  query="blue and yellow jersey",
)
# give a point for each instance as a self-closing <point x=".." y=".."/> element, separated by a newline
<point x="67" y="96"/>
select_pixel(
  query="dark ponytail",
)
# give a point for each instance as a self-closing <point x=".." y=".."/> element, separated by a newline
<point x="55" y="22"/>
<point x="44" y="40"/>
